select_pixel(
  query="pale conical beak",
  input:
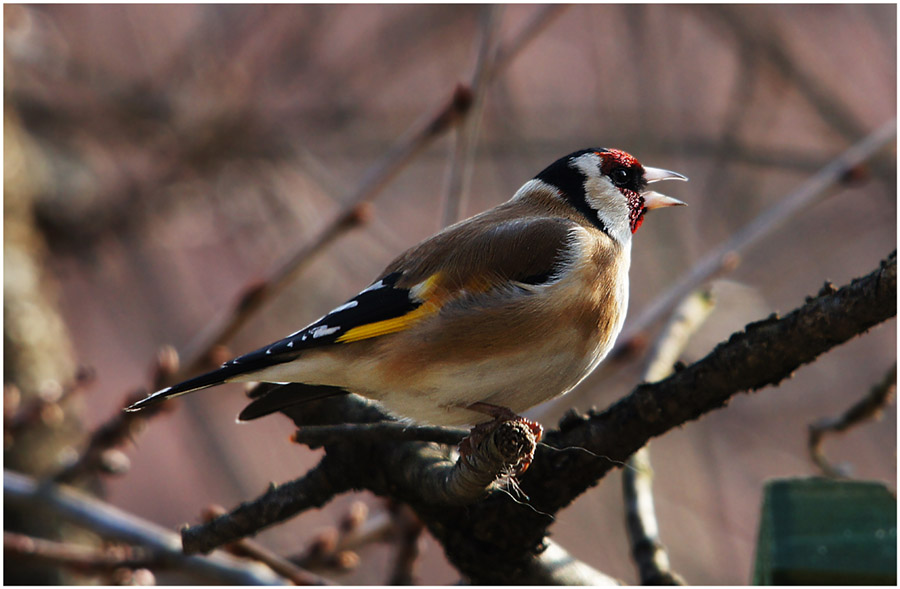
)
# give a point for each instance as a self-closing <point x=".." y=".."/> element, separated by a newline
<point x="655" y="200"/>
<point x="652" y="175"/>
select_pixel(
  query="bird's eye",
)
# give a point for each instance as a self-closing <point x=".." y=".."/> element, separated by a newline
<point x="620" y="176"/>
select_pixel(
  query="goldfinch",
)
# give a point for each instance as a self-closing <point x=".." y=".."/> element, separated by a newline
<point x="489" y="317"/>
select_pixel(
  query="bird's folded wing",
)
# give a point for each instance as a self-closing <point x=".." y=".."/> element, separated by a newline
<point x="419" y="283"/>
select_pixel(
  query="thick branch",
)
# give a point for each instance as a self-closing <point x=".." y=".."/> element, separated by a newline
<point x="764" y="354"/>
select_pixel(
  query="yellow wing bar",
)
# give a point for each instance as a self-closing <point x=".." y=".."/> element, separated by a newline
<point x="390" y="325"/>
<point x="423" y="291"/>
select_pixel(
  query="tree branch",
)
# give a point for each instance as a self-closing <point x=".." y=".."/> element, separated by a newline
<point x="22" y="492"/>
<point x="866" y="408"/>
<point x="647" y="549"/>
<point x="281" y="502"/>
<point x="764" y="354"/>
<point x="499" y="537"/>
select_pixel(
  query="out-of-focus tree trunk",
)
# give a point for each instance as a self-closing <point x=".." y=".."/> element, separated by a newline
<point x="37" y="354"/>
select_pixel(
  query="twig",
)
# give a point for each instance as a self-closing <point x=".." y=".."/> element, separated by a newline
<point x="353" y="214"/>
<point x="22" y="492"/>
<point x="256" y="551"/>
<point x="408" y="530"/>
<point x="647" y="549"/>
<point x="98" y="454"/>
<point x="762" y="39"/>
<point x="316" y="436"/>
<point x="539" y="21"/>
<point x="82" y="558"/>
<point x="334" y="547"/>
<point x="467" y="132"/>
<point x="314" y="489"/>
<point x="17" y="416"/>
<point x="866" y="408"/>
<point x="726" y="255"/>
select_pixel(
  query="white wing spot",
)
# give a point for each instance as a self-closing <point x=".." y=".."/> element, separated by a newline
<point x="290" y="344"/>
<point x="344" y="307"/>
<point x="323" y="330"/>
<point x="376" y="286"/>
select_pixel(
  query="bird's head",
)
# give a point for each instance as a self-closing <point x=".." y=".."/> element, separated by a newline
<point x="610" y="188"/>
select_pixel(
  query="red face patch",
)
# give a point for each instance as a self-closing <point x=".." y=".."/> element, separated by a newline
<point x="616" y="158"/>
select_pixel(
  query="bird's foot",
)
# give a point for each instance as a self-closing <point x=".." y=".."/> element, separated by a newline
<point x="501" y="415"/>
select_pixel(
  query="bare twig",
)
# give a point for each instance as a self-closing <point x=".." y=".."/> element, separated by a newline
<point x="467" y="132"/>
<point x="256" y="551"/>
<point x="764" y="41"/>
<point x="22" y="492"/>
<point x="41" y="407"/>
<point x="353" y="214"/>
<point x="647" y="549"/>
<point x="99" y="453"/>
<point x="408" y="530"/>
<point x="281" y="502"/>
<point x="334" y="547"/>
<point x="542" y="18"/>
<point x="866" y="408"/>
<point x="75" y="556"/>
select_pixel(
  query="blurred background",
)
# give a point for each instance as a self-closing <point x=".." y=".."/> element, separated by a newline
<point x="160" y="159"/>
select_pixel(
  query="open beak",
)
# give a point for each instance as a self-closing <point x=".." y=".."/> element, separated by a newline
<point x="652" y="175"/>
<point x="655" y="200"/>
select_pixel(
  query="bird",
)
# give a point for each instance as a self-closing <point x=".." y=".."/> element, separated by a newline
<point x="485" y="319"/>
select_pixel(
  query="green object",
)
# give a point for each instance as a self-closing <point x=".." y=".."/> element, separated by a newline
<point x="827" y="532"/>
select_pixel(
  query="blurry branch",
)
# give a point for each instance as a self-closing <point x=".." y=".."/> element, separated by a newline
<point x="868" y="407"/>
<point x="492" y="60"/>
<point x="726" y="256"/>
<point x="334" y="547"/>
<point x="45" y="406"/>
<point x="281" y="502"/>
<point x="765" y="353"/>
<point x="467" y="132"/>
<point x="758" y="37"/>
<point x="99" y="453"/>
<point x="250" y="549"/>
<point x="353" y="214"/>
<point x="647" y="549"/>
<point x="23" y="493"/>
<point x="542" y="18"/>
<point x="373" y="182"/>
<point x="408" y="530"/>
<point x="74" y="556"/>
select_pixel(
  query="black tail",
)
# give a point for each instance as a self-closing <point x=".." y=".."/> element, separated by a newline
<point x="210" y="379"/>
<point x="278" y="397"/>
